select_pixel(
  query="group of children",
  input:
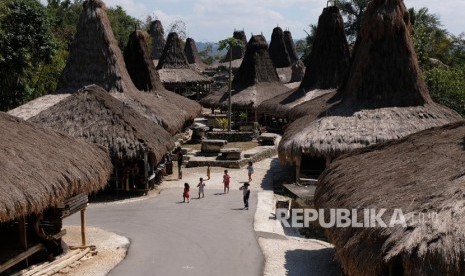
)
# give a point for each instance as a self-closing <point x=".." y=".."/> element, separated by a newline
<point x="226" y="180"/>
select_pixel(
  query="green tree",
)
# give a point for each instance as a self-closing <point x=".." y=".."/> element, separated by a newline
<point x="352" y="12"/>
<point x="304" y="46"/>
<point x="26" y="43"/>
<point x="228" y="44"/>
<point x="207" y="55"/>
<point x="122" y="24"/>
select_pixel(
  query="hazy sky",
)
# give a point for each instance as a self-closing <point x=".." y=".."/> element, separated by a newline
<point x="213" y="20"/>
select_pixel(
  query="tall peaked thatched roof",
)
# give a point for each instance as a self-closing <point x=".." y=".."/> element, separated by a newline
<point x="95" y="58"/>
<point x="238" y="51"/>
<point x="41" y="168"/>
<point x="423" y="175"/>
<point x="173" y="56"/>
<point x="290" y="46"/>
<point x="385" y="96"/>
<point x="191" y="52"/>
<point x="158" y="38"/>
<point x="278" y="51"/>
<point x="327" y="69"/>
<point x="386" y="46"/>
<point x="255" y="81"/>
<point x="330" y="57"/>
<point x="99" y="118"/>
<point x="139" y="64"/>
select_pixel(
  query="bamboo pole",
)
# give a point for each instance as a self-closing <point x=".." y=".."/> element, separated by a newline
<point x="83" y="226"/>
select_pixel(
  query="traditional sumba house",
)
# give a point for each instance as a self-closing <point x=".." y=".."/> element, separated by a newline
<point x="176" y="74"/>
<point x="158" y="39"/>
<point x="41" y="169"/>
<point x="95" y="58"/>
<point x="255" y="82"/>
<point x="192" y="55"/>
<point x="290" y="46"/>
<point x="374" y="109"/>
<point x="139" y="65"/>
<point x="279" y="55"/>
<point x="135" y="143"/>
<point x="237" y="51"/>
<point x="422" y="177"/>
<point x="328" y="66"/>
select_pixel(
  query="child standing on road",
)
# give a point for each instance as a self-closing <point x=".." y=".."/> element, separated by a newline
<point x="201" y="185"/>
<point x="226" y="181"/>
<point x="208" y="171"/>
<point x="185" y="194"/>
<point x="250" y="170"/>
<point x="245" y="195"/>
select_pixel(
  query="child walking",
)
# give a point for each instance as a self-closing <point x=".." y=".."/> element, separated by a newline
<point x="185" y="194"/>
<point x="245" y="195"/>
<point x="201" y="185"/>
<point x="208" y="171"/>
<point x="250" y="171"/>
<point x="226" y="180"/>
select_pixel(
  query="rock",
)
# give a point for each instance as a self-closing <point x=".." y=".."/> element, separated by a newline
<point x="212" y="146"/>
<point x="231" y="154"/>
<point x="267" y="139"/>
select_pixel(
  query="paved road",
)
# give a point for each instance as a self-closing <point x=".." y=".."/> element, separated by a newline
<point x="210" y="236"/>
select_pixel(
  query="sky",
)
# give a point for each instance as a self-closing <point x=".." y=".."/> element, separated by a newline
<point x="213" y="20"/>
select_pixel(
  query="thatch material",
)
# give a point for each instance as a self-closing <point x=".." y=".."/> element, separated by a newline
<point x="328" y="66"/>
<point x="139" y="64"/>
<point x="158" y="39"/>
<point x="290" y="46"/>
<point x="281" y="105"/>
<point x="238" y="51"/>
<point x="334" y="135"/>
<point x="315" y="108"/>
<point x="95" y="58"/>
<point x="384" y="74"/>
<point x="420" y="174"/>
<point x="99" y="118"/>
<point x="278" y="51"/>
<point x="255" y="81"/>
<point x="330" y="57"/>
<point x="173" y="67"/>
<point x="173" y="56"/>
<point x="41" y="168"/>
<point x="34" y="107"/>
<point x="298" y="71"/>
<point x="192" y="54"/>
<point x="385" y="69"/>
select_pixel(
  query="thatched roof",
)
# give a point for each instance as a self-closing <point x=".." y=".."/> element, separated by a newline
<point x="420" y="174"/>
<point x="255" y="81"/>
<point x="280" y="105"/>
<point x="173" y="56"/>
<point x="328" y="66"/>
<point x="385" y="96"/>
<point x="139" y="64"/>
<point x="315" y="108"/>
<point x="238" y="51"/>
<point x="290" y="46"/>
<point x="34" y="107"/>
<point x="95" y="58"/>
<point x="330" y="57"/>
<point x="192" y="54"/>
<point x="278" y="51"/>
<point x="41" y="168"/>
<point x="93" y="114"/>
<point x="173" y="67"/>
<point x="158" y="38"/>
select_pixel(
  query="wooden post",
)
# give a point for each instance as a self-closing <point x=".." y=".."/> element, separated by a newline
<point x="297" y="169"/>
<point x="23" y="235"/>
<point x="83" y="226"/>
<point x="146" y="171"/>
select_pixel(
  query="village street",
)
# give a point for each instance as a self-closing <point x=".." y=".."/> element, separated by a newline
<point x="209" y="236"/>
